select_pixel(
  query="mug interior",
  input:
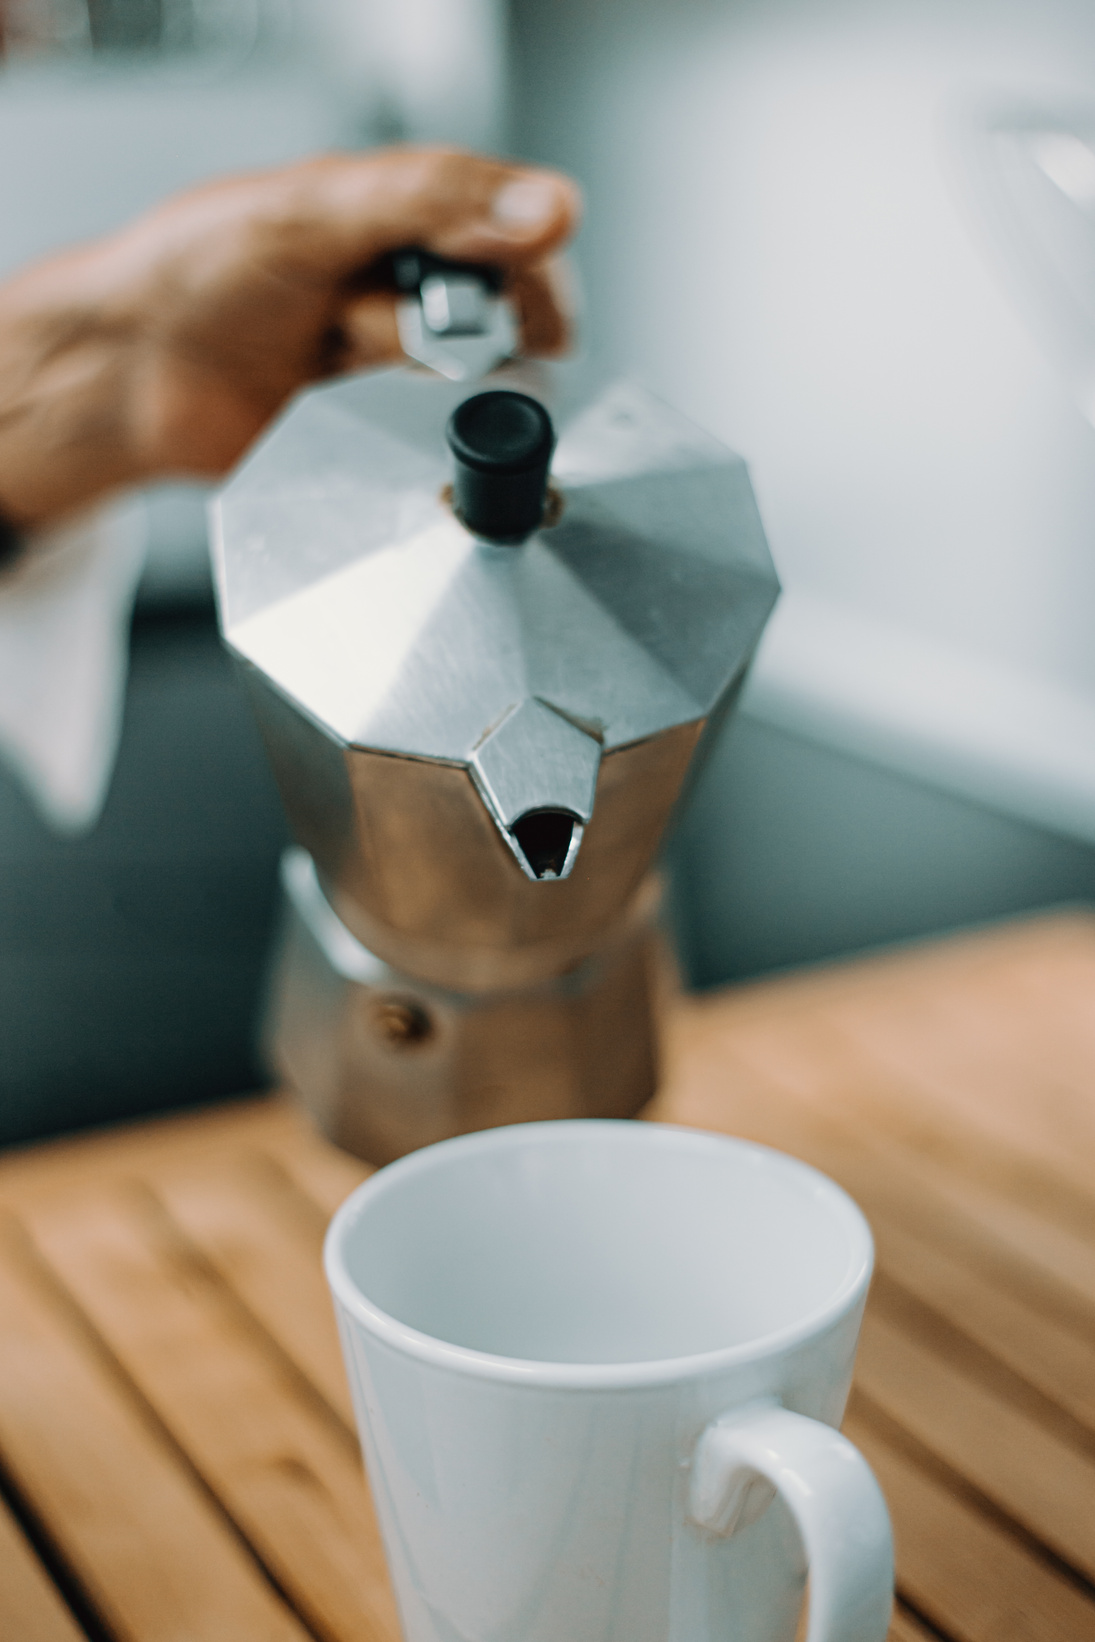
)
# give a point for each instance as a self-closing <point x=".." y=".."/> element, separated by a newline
<point x="600" y="1242"/>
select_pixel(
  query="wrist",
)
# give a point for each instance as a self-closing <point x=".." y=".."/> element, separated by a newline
<point x="64" y="439"/>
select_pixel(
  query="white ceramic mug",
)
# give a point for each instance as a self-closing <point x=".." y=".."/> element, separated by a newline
<point x="597" y="1369"/>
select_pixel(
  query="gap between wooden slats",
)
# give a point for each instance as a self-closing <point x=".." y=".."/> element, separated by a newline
<point x="155" y="1559"/>
<point x="943" y="1116"/>
<point x="1057" y="1509"/>
<point x="1009" y="1052"/>
<point x="1036" y="1478"/>
<point x="960" y="1303"/>
<point x="1012" y="1306"/>
<point x="321" y="1171"/>
<point x="966" y="1574"/>
<point x="1030" y="1301"/>
<point x="1005" y="1545"/>
<point x="282" y="1465"/>
<point x="929" y="1219"/>
<point x="31" y="1610"/>
<point x="905" y="1627"/>
<point x="978" y="1053"/>
<point x="264" y="1237"/>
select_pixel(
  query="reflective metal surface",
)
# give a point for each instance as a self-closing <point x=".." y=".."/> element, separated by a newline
<point x="347" y="583"/>
<point x="345" y="578"/>
<point x="415" y="864"/>
<point x="457" y="327"/>
<point x="385" y="1064"/>
<point x="481" y="745"/>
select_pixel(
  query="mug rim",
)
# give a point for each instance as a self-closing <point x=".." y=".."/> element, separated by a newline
<point x="533" y="1372"/>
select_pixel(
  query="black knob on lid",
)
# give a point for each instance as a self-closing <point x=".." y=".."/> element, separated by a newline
<point x="502" y="442"/>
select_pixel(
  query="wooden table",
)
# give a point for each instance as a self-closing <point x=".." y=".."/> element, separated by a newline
<point x="177" y="1446"/>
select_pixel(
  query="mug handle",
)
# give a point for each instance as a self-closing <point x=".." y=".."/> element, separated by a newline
<point x="743" y="1459"/>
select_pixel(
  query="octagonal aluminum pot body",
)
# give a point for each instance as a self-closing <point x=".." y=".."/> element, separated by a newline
<point x="424" y="694"/>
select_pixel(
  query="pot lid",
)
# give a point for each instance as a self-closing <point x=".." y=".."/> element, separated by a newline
<point x="344" y="576"/>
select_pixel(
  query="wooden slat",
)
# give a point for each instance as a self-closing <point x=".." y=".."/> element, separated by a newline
<point x="156" y="1560"/>
<point x="265" y="1239"/>
<point x="108" y="1154"/>
<point x="939" y="1106"/>
<point x="905" y="1628"/>
<point x="962" y="1570"/>
<point x="288" y="1473"/>
<point x="1058" y="991"/>
<point x="974" y="1055"/>
<point x="177" y="1346"/>
<point x="979" y="1050"/>
<point x="715" y="1088"/>
<point x="327" y="1175"/>
<point x="30" y="1608"/>
<point x="1057" y="1361"/>
<point x="1032" y="1474"/>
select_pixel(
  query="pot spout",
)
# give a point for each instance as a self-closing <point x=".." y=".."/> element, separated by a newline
<point x="537" y="774"/>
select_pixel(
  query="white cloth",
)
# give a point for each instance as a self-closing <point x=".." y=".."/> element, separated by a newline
<point x="65" y="607"/>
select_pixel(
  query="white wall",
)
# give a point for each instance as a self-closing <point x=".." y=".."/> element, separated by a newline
<point x="791" y="235"/>
<point x="795" y="232"/>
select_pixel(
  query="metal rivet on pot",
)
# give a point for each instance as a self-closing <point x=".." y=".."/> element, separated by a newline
<point x="402" y="1023"/>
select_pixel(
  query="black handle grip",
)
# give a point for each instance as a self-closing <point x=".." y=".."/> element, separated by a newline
<point x="502" y="442"/>
<point x="411" y="265"/>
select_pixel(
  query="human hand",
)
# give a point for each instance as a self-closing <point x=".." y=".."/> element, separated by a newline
<point x="166" y="348"/>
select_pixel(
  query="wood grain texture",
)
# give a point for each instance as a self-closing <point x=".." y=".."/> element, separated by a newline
<point x="26" y="1172"/>
<point x="264" y="1237"/>
<point x="172" y="1403"/>
<point x="157" y="1562"/>
<point x="1031" y="1474"/>
<point x="285" y="1471"/>
<point x="971" y="1578"/>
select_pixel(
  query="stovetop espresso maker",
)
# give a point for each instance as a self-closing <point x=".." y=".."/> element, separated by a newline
<point x="484" y="620"/>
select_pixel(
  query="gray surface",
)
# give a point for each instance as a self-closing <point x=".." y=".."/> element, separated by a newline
<point x="429" y="697"/>
<point x="385" y="1064"/>
<point x="131" y="960"/>
<point x="791" y="853"/>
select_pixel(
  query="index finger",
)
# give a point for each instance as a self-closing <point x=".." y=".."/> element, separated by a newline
<point x="341" y="212"/>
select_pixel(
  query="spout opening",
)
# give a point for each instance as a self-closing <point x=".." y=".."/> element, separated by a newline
<point x="548" y="841"/>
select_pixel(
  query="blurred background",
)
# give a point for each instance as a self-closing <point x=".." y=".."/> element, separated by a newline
<point x="855" y="240"/>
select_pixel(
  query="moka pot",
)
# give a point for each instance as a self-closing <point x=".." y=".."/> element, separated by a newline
<point x="484" y="625"/>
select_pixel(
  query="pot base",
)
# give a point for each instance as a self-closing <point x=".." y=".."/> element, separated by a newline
<point x="385" y="1064"/>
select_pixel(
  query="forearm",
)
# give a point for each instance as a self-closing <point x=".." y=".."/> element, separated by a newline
<point x="64" y="392"/>
<point x="168" y="347"/>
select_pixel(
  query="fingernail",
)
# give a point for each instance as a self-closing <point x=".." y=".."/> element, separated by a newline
<point x="525" y="205"/>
